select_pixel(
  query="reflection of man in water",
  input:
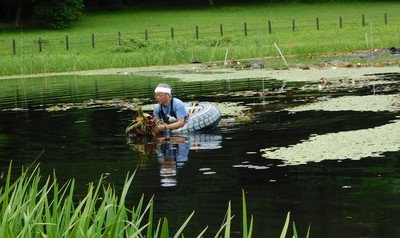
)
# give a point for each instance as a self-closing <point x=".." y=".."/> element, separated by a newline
<point x="173" y="151"/>
<point x="172" y="155"/>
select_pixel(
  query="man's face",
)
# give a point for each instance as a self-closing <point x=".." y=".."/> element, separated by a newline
<point x="162" y="98"/>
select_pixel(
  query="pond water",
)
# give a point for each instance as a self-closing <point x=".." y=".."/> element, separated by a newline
<point x="74" y="125"/>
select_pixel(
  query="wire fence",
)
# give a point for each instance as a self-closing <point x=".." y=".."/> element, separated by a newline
<point x="93" y="41"/>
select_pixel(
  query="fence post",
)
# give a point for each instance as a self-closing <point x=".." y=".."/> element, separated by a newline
<point x="146" y="36"/>
<point x="66" y="42"/>
<point x="385" y="19"/>
<point x="293" y="25"/>
<point x="245" y="28"/>
<point x="119" y="38"/>
<point x="317" y="20"/>
<point x="40" y="45"/>
<point x="14" y="49"/>
<point x="221" y="29"/>
<point x="340" y="22"/>
<point x="269" y="27"/>
<point x="93" y="40"/>
<point x="172" y="33"/>
<point x="363" y="20"/>
<point x="197" y="32"/>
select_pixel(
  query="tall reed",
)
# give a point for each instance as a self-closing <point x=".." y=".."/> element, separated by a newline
<point x="30" y="207"/>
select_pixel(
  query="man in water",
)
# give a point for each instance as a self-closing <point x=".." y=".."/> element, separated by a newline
<point x="169" y="109"/>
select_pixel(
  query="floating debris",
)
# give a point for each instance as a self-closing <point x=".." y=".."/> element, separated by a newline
<point x="205" y="169"/>
<point x="17" y="109"/>
<point x="209" y="173"/>
<point x="118" y="103"/>
<point x="249" y="166"/>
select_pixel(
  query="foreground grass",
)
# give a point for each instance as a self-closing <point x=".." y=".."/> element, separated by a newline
<point x="30" y="207"/>
<point x="130" y="49"/>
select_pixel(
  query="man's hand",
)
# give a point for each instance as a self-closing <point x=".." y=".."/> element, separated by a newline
<point x="160" y="128"/>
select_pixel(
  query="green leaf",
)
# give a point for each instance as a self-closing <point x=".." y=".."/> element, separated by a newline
<point x="286" y="226"/>
<point x="183" y="225"/>
<point x="165" y="229"/>
<point x="244" y="214"/>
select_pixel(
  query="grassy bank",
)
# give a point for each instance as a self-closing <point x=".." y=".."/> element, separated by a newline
<point x="141" y="37"/>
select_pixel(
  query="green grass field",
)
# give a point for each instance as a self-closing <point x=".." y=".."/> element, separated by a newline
<point x="143" y="37"/>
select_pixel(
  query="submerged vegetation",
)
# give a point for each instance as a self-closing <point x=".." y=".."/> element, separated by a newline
<point x="30" y="207"/>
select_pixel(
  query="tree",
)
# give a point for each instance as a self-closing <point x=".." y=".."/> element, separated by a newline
<point x="57" y="14"/>
<point x="15" y="10"/>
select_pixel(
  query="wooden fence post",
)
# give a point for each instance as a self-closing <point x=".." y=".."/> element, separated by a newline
<point x="269" y="27"/>
<point x="317" y="21"/>
<point x="245" y="28"/>
<point x="146" y="35"/>
<point x="66" y="42"/>
<point x="93" y="40"/>
<point x="119" y="38"/>
<point x="385" y="19"/>
<point x="40" y="45"/>
<point x="363" y="20"/>
<point x="221" y="30"/>
<point x="340" y="22"/>
<point x="14" y="48"/>
<point x="293" y="25"/>
<point x="172" y="33"/>
<point x="197" y="32"/>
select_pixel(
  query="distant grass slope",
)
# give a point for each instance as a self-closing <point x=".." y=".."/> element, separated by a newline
<point x="134" y="20"/>
<point x="131" y="49"/>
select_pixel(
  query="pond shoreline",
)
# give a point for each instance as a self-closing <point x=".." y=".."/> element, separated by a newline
<point x="205" y="72"/>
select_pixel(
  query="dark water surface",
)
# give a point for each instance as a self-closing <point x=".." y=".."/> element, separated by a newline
<point x="203" y="172"/>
